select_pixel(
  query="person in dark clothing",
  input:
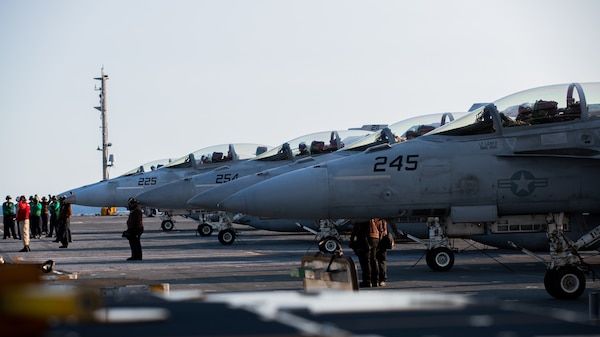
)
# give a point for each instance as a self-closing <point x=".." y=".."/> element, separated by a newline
<point x="45" y="203"/>
<point x="302" y="150"/>
<point x="35" y="217"/>
<point x="64" y="223"/>
<point x="9" y="216"/>
<point x="135" y="228"/>
<point x="364" y="240"/>
<point x="381" y="253"/>
<point x="54" y="209"/>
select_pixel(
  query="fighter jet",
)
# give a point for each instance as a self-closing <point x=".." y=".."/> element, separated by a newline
<point x="412" y="127"/>
<point x="174" y="196"/>
<point x="117" y="191"/>
<point x="326" y="235"/>
<point x="527" y="159"/>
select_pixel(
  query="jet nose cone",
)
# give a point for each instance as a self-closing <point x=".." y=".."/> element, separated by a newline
<point x="301" y="194"/>
<point x="71" y="197"/>
<point x="97" y="194"/>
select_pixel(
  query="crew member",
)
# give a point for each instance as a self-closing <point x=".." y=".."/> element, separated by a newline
<point x="8" y="215"/>
<point x="364" y="240"/>
<point x="135" y="228"/>
<point x="35" y="217"/>
<point x="64" y="222"/>
<point x="381" y="253"/>
<point x="303" y="151"/>
<point x="45" y="204"/>
<point x="54" y="209"/>
<point x="23" y="222"/>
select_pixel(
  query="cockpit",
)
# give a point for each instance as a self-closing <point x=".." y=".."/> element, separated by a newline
<point x="404" y="130"/>
<point x="151" y="166"/>
<point x="538" y="106"/>
<point x="219" y="154"/>
<point x="313" y="144"/>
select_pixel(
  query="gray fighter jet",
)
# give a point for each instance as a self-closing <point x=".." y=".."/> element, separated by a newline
<point x="116" y="191"/>
<point x="326" y="231"/>
<point x="412" y="127"/>
<point x="526" y="162"/>
<point x="173" y="197"/>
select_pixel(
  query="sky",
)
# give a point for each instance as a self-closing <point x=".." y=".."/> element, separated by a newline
<point x="184" y="75"/>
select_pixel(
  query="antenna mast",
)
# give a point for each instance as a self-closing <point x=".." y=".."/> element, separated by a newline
<point x="102" y="108"/>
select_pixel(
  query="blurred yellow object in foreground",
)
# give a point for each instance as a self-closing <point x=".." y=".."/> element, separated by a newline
<point x="27" y="305"/>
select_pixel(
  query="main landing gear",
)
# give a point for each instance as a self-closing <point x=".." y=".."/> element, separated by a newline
<point x="168" y="223"/>
<point x="439" y="256"/>
<point x="206" y="227"/>
<point x="226" y="232"/>
<point x="327" y="235"/>
<point x="565" y="277"/>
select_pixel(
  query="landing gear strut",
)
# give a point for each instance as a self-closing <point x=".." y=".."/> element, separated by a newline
<point x="226" y="232"/>
<point x="439" y="256"/>
<point x="327" y="235"/>
<point x="205" y="228"/>
<point x="565" y="279"/>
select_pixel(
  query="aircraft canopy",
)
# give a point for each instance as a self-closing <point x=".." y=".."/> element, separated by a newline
<point x="219" y="153"/>
<point x="315" y="143"/>
<point x="543" y="105"/>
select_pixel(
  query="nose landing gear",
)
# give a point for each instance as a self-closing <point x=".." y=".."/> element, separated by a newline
<point x="439" y="256"/>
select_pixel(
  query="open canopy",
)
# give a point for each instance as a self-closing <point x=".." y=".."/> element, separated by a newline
<point x="313" y="144"/>
<point x="543" y="105"/>
<point x="219" y="153"/>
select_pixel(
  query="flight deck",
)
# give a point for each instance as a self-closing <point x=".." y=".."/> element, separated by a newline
<point x="504" y="288"/>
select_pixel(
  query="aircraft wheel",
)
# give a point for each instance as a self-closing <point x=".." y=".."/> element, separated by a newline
<point x="330" y="245"/>
<point x="565" y="283"/>
<point x="167" y="225"/>
<point x="440" y="259"/>
<point x="205" y="229"/>
<point x="226" y="237"/>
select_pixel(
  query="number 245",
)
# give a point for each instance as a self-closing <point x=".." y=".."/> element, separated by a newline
<point x="410" y="164"/>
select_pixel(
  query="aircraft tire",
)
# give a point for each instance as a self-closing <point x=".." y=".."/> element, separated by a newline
<point x="167" y="225"/>
<point x="549" y="283"/>
<point x="205" y="230"/>
<point x="226" y="237"/>
<point x="565" y="283"/>
<point x="330" y="244"/>
<point x="440" y="259"/>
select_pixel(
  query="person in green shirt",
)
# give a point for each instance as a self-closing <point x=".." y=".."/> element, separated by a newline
<point x="54" y="208"/>
<point x="35" y="217"/>
<point x="9" y="216"/>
